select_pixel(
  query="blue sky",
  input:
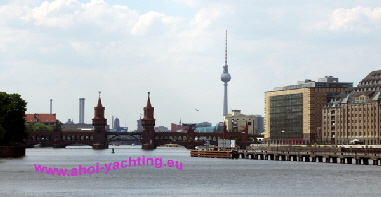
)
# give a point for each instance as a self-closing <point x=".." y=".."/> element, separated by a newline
<point x="66" y="50"/>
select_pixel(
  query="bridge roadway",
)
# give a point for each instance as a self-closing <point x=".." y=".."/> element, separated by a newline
<point x="62" y="138"/>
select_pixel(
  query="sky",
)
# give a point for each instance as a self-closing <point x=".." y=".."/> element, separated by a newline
<point x="175" y="49"/>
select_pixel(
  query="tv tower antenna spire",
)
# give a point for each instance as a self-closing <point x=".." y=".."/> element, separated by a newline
<point x="225" y="77"/>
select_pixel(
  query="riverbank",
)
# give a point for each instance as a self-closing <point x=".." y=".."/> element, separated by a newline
<point x="12" y="151"/>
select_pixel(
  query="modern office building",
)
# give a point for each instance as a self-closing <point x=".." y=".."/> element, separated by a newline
<point x="259" y="123"/>
<point x="139" y="125"/>
<point x="355" y="114"/>
<point x="237" y="122"/>
<point x="116" y="123"/>
<point x="293" y="113"/>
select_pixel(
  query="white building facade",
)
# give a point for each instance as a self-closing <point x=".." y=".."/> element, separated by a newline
<point x="236" y="122"/>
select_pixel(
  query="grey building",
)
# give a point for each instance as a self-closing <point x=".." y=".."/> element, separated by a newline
<point x="259" y="123"/>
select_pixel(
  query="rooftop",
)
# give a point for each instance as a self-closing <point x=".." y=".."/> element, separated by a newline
<point x="327" y="81"/>
<point x="46" y="118"/>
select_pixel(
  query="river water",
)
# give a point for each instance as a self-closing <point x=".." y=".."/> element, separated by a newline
<point x="198" y="177"/>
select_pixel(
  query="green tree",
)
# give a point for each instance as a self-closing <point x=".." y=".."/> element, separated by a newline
<point x="29" y="126"/>
<point x="38" y="126"/>
<point x="12" y="119"/>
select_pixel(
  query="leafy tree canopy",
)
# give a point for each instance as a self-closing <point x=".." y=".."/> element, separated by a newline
<point x="38" y="126"/>
<point x="12" y="119"/>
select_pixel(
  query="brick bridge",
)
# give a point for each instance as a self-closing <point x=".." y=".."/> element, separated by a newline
<point x="59" y="138"/>
<point x="98" y="138"/>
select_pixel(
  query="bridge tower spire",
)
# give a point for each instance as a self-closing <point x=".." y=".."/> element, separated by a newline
<point x="148" y="123"/>
<point x="99" y="124"/>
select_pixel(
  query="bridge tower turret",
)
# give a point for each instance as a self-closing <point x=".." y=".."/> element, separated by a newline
<point x="99" y="124"/>
<point x="148" y="123"/>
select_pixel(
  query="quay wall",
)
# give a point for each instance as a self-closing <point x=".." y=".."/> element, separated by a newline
<point x="12" y="151"/>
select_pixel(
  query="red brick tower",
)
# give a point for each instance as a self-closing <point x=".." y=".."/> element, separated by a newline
<point x="148" y="123"/>
<point x="99" y="123"/>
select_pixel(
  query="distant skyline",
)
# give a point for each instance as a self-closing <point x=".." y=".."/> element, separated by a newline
<point x="70" y="49"/>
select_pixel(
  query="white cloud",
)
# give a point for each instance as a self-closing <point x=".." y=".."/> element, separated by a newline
<point x="66" y="14"/>
<point x="206" y="16"/>
<point x="355" y="19"/>
<point x="85" y="48"/>
<point x="358" y="19"/>
<point x="147" y="21"/>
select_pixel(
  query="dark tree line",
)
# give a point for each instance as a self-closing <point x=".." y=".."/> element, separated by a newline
<point x="12" y="119"/>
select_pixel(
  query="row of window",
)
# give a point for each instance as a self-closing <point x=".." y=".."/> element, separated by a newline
<point x="285" y="122"/>
<point x="339" y="134"/>
<point x="351" y="127"/>
<point x="352" y="115"/>
<point x="286" y="96"/>
<point x="349" y="121"/>
<point x="360" y="108"/>
<point x="372" y="82"/>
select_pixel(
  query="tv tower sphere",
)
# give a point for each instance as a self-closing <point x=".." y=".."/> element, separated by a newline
<point x="225" y="77"/>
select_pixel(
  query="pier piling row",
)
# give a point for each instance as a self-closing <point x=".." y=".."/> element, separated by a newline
<point x="302" y="156"/>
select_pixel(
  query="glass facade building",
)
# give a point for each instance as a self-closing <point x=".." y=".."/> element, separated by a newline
<point x="286" y="116"/>
<point x="293" y="114"/>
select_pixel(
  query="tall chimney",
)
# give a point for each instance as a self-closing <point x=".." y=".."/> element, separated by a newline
<point x="51" y="100"/>
<point x="81" y="110"/>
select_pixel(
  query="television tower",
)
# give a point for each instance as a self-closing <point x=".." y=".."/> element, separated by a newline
<point x="225" y="77"/>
